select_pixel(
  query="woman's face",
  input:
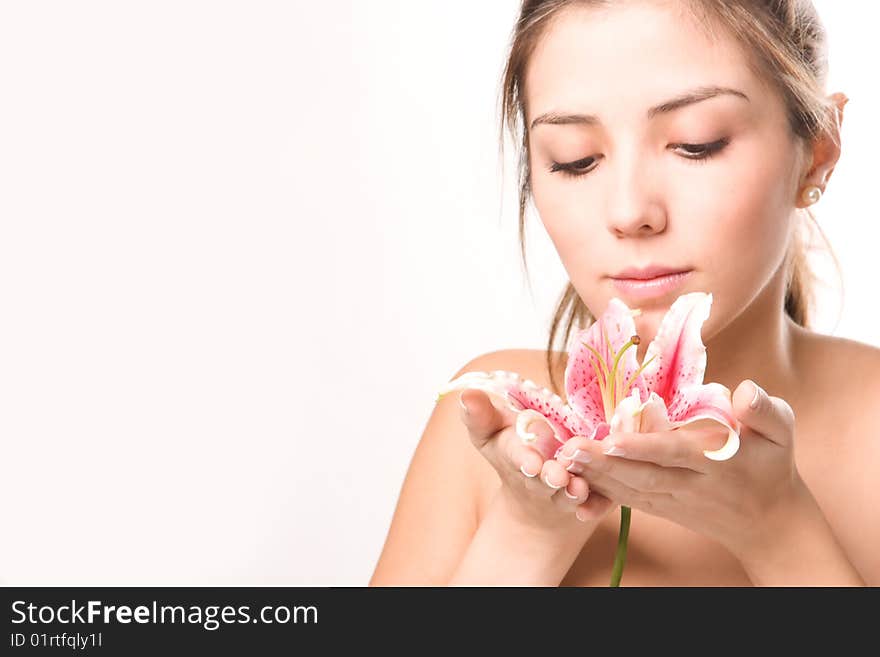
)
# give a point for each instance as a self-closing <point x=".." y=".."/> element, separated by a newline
<point x="641" y="200"/>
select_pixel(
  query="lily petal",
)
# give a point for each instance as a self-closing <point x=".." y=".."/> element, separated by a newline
<point x="587" y="404"/>
<point x="627" y="415"/>
<point x="614" y="327"/>
<point x="678" y="346"/>
<point x="654" y="416"/>
<point x="522" y="394"/>
<point x="704" y="402"/>
<point x="711" y="401"/>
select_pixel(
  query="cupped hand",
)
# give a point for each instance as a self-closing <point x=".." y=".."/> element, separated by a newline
<point x="538" y="489"/>
<point x="666" y="473"/>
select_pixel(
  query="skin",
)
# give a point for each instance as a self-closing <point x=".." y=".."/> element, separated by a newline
<point x="730" y="219"/>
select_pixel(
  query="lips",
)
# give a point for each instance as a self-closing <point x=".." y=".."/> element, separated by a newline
<point x="649" y="272"/>
<point x="645" y="288"/>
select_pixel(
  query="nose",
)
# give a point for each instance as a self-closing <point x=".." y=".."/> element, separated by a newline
<point x="638" y="223"/>
<point x="634" y="208"/>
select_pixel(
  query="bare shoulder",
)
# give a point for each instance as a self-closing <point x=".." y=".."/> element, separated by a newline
<point x="841" y="463"/>
<point x="841" y="383"/>
<point x="446" y="488"/>
<point x="844" y="369"/>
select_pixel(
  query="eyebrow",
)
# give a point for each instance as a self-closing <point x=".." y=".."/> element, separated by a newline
<point x="687" y="98"/>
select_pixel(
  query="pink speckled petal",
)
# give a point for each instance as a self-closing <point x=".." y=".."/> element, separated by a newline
<point x="587" y="407"/>
<point x="615" y="326"/>
<point x="521" y="394"/>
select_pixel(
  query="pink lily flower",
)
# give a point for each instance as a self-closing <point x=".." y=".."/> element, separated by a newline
<point x="608" y="390"/>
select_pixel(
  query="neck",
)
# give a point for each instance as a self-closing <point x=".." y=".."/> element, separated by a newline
<point x="760" y="344"/>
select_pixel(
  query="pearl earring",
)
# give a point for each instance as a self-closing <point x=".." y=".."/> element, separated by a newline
<point x="812" y="194"/>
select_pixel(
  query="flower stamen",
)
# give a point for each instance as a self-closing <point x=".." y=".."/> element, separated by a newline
<point x="634" y="340"/>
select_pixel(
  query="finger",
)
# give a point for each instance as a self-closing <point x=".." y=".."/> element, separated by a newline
<point x="481" y="417"/>
<point x="770" y="417"/>
<point x="619" y="493"/>
<point x="554" y="476"/>
<point x="641" y="476"/>
<point x="681" y="448"/>
<point x="578" y="470"/>
<point x="522" y="457"/>
<point x="595" y="508"/>
<point x="575" y="493"/>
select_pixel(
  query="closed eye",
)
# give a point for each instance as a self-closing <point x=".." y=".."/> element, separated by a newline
<point x="694" y="152"/>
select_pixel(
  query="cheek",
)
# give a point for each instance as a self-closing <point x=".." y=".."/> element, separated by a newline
<point x="560" y="205"/>
<point x="752" y="230"/>
<point x="742" y="212"/>
<point x="567" y="225"/>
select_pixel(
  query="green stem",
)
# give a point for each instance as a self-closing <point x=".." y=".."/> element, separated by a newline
<point x="620" y="555"/>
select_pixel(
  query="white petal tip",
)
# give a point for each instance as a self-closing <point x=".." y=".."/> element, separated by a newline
<point x="523" y="419"/>
<point x="730" y="448"/>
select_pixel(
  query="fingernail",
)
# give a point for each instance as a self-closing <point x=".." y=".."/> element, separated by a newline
<point x="547" y="481"/>
<point x="572" y="455"/>
<point x="577" y="514"/>
<point x="583" y="457"/>
<point x="569" y="495"/>
<point x="757" y="398"/>
<point x="613" y="450"/>
<point x="462" y="404"/>
<point x="574" y="468"/>
<point x="536" y="423"/>
<point x="522" y="469"/>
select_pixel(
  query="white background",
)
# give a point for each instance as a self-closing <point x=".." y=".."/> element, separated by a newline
<point x="243" y="243"/>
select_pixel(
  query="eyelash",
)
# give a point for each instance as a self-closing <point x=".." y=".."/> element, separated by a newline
<point x="569" y="169"/>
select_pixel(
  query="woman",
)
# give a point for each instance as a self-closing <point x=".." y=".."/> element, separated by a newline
<point x="694" y="136"/>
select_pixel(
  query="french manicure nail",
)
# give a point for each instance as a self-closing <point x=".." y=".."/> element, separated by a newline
<point x="547" y="481"/>
<point x="757" y="398"/>
<point x="462" y="404"/>
<point x="574" y="468"/>
<point x="569" y="495"/>
<point x="583" y="457"/>
<point x="613" y="450"/>
<point x="571" y="455"/>
<point x="522" y="469"/>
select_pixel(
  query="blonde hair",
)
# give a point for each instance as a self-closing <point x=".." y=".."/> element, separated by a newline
<point x="785" y="45"/>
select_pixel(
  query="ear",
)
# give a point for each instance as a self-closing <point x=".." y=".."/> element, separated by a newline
<point x="825" y="150"/>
